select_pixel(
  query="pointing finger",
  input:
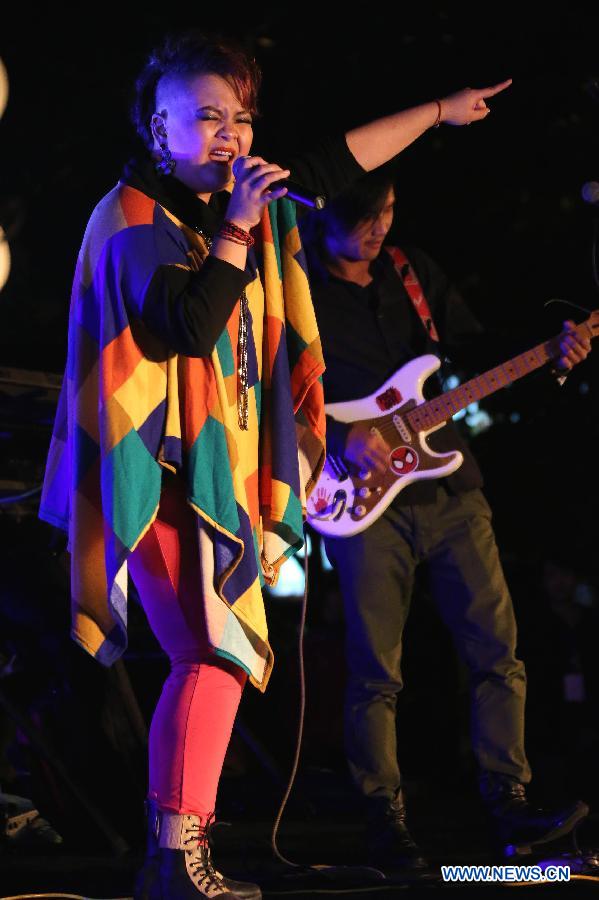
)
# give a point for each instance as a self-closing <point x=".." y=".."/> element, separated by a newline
<point x="496" y="89"/>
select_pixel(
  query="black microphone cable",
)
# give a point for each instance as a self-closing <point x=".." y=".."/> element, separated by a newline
<point x="567" y="303"/>
<point x="302" y="711"/>
<point x="376" y="878"/>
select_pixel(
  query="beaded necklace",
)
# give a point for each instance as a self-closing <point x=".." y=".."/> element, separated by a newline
<point x="242" y="350"/>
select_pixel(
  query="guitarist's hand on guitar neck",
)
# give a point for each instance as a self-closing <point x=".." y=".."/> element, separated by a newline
<point x="573" y="348"/>
<point x="366" y="448"/>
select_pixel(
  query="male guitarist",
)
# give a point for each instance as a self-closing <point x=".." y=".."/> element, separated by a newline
<point x="377" y="311"/>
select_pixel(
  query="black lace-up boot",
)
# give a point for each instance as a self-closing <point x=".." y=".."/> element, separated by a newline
<point x="182" y="868"/>
<point x="390" y="844"/>
<point x="518" y="824"/>
<point x="148" y="875"/>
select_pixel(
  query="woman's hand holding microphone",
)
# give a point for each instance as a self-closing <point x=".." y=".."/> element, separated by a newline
<point x="253" y="177"/>
<point x="250" y="195"/>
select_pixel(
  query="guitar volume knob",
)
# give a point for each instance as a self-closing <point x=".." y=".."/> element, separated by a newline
<point x="364" y="474"/>
<point x="360" y="510"/>
<point x="364" y="492"/>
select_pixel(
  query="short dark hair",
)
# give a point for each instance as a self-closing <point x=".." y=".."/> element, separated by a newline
<point x="194" y="53"/>
<point x="363" y="200"/>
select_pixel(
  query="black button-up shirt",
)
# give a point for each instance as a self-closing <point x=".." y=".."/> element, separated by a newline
<point x="369" y="332"/>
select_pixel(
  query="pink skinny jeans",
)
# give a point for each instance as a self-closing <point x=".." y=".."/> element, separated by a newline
<point x="193" y="721"/>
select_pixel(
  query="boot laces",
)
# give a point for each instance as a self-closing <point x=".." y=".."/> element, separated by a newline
<point x="209" y="880"/>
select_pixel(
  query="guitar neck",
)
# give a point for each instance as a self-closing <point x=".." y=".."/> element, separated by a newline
<point x="434" y="412"/>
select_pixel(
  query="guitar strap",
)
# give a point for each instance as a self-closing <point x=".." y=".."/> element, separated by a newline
<point x="414" y="289"/>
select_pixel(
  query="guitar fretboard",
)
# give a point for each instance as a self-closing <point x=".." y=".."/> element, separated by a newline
<point x="440" y="409"/>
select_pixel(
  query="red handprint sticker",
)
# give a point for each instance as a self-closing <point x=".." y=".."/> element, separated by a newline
<point x="321" y="500"/>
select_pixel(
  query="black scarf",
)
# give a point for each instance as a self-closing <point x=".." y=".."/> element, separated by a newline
<point x="169" y="192"/>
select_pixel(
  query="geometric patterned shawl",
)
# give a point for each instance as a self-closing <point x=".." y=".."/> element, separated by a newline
<point x="129" y="407"/>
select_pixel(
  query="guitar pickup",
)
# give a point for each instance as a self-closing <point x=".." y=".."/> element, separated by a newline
<point x="339" y="470"/>
<point x="402" y="428"/>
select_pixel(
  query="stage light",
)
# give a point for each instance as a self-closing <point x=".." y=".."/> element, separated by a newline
<point x="4" y="259"/>
<point x="4" y="248"/>
<point x="3" y="88"/>
<point x="291" y="581"/>
<point x="324" y="559"/>
<point x="475" y="418"/>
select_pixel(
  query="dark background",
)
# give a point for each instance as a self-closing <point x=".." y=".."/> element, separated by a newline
<point x="497" y="204"/>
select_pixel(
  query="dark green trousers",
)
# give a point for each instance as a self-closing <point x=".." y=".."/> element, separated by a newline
<point x="455" y="539"/>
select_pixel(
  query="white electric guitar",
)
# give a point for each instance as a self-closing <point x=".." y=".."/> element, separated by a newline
<point x="347" y="500"/>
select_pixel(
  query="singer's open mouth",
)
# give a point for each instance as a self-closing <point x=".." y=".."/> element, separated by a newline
<point x="222" y="155"/>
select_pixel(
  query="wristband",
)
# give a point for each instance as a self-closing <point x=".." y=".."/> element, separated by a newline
<point x="231" y="232"/>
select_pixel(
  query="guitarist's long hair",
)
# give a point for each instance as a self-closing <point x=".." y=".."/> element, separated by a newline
<point x="363" y="200"/>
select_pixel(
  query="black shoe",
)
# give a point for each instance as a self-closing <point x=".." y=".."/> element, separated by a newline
<point x="517" y="823"/>
<point x="21" y="824"/>
<point x="179" y="863"/>
<point x="390" y="844"/>
<point x="147" y="877"/>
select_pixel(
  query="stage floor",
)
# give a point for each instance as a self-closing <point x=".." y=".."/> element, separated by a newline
<point x="321" y="828"/>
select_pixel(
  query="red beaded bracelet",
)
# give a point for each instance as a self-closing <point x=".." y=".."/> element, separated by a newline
<point x="231" y="232"/>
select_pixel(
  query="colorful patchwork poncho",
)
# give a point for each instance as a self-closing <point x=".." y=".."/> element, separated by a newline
<point x="131" y="407"/>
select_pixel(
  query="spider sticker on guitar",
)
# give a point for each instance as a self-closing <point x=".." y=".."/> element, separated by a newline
<point x="403" y="460"/>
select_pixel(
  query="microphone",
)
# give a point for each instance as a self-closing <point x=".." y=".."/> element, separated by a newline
<point x="295" y="191"/>
<point x="590" y="192"/>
